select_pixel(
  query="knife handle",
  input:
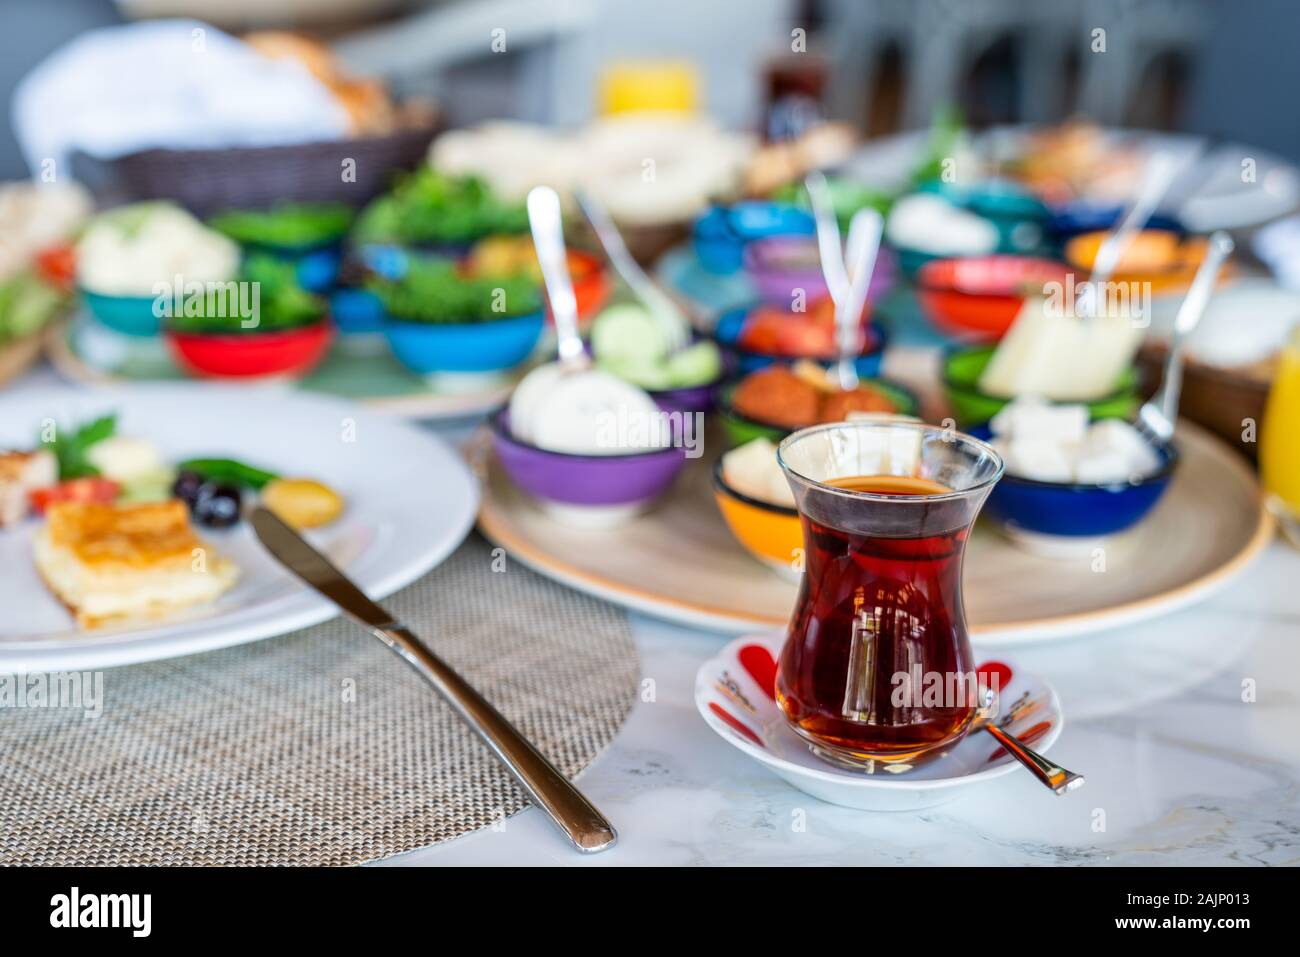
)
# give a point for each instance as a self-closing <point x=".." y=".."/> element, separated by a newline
<point x="586" y="827"/>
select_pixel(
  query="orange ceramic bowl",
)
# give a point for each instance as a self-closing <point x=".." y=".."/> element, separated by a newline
<point x="771" y="533"/>
<point x="1165" y="259"/>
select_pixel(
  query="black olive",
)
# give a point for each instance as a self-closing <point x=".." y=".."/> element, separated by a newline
<point x="217" y="505"/>
<point x="186" y="487"/>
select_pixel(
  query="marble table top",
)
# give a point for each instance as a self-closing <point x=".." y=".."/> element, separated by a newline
<point x="1185" y="726"/>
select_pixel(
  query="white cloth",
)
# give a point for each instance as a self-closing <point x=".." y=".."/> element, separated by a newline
<point x="181" y="84"/>
<point x="1278" y="244"/>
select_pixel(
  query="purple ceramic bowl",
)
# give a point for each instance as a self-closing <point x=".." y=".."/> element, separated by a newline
<point x="612" y="482"/>
<point x="691" y="398"/>
<point x="783" y="264"/>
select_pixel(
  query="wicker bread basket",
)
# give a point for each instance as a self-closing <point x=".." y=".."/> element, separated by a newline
<point x="206" y="181"/>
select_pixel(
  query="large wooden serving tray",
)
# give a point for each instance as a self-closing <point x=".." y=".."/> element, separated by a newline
<point x="679" y="561"/>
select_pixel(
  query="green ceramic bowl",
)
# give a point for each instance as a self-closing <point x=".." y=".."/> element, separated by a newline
<point x="740" y="429"/>
<point x="962" y="368"/>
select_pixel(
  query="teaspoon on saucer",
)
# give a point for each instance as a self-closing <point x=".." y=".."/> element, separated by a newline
<point x="1053" y="776"/>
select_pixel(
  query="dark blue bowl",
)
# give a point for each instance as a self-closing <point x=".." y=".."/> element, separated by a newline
<point x="720" y="235"/>
<point x="744" y="361"/>
<point x="496" y="345"/>
<point x="1076" y="509"/>
<point x="1090" y="216"/>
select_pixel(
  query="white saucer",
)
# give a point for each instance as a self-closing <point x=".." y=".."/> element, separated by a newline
<point x="734" y="694"/>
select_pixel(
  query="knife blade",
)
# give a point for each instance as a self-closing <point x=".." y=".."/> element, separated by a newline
<point x="577" y="817"/>
<point x="293" y="552"/>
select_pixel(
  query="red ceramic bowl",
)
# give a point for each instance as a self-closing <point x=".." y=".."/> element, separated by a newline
<point x="590" y="283"/>
<point x="246" y="355"/>
<point x="976" y="298"/>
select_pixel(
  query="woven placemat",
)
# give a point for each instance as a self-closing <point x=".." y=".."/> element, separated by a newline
<point x="320" y="747"/>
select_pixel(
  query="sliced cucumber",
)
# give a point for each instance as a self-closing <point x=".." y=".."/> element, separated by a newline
<point x="651" y="374"/>
<point x="695" y="365"/>
<point x="628" y="331"/>
<point x="153" y="486"/>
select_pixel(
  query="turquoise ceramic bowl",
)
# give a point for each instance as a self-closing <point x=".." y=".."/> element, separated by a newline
<point x="129" y="315"/>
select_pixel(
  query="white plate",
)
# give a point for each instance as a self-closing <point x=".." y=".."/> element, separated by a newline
<point x="410" y="502"/>
<point x="733" y="693"/>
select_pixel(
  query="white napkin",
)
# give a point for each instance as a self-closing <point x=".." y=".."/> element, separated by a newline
<point x="181" y="84"/>
<point x="1278" y="244"/>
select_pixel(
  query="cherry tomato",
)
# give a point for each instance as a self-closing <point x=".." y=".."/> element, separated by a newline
<point x="58" y="265"/>
<point x="89" y="489"/>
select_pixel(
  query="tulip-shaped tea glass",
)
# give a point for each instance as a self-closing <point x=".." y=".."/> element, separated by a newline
<point x="877" y="664"/>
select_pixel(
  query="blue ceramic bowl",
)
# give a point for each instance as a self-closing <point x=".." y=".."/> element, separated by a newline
<point x="496" y="345"/>
<point x="356" y="311"/>
<point x="719" y="236"/>
<point x="316" y="267"/>
<point x="1076" y="510"/>
<point x="390" y="260"/>
<point x="129" y="315"/>
<point x="744" y="361"/>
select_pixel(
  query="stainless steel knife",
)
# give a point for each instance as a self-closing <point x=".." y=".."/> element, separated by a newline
<point x="585" y="826"/>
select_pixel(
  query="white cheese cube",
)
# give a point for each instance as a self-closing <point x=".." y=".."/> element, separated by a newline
<point x="1035" y="418"/>
<point x="1039" y="459"/>
<point x="124" y="458"/>
<point x="752" y="470"/>
<point x="1113" y="437"/>
<point x="1102" y="467"/>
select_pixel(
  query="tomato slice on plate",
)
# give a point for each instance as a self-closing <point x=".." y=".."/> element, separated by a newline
<point x="88" y="489"/>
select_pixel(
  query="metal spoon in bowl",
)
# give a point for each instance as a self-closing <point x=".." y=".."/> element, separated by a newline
<point x="848" y="272"/>
<point x="1159" y="414"/>
<point x="828" y="235"/>
<point x="530" y="407"/>
<point x="864" y="245"/>
<point x="1051" y="774"/>
<point x="1160" y="171"/>
<point x="676" y="328"/>
<point x="548" y="239"/>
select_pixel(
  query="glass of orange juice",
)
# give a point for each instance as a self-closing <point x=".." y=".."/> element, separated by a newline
<point x="1279" y="447"/>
